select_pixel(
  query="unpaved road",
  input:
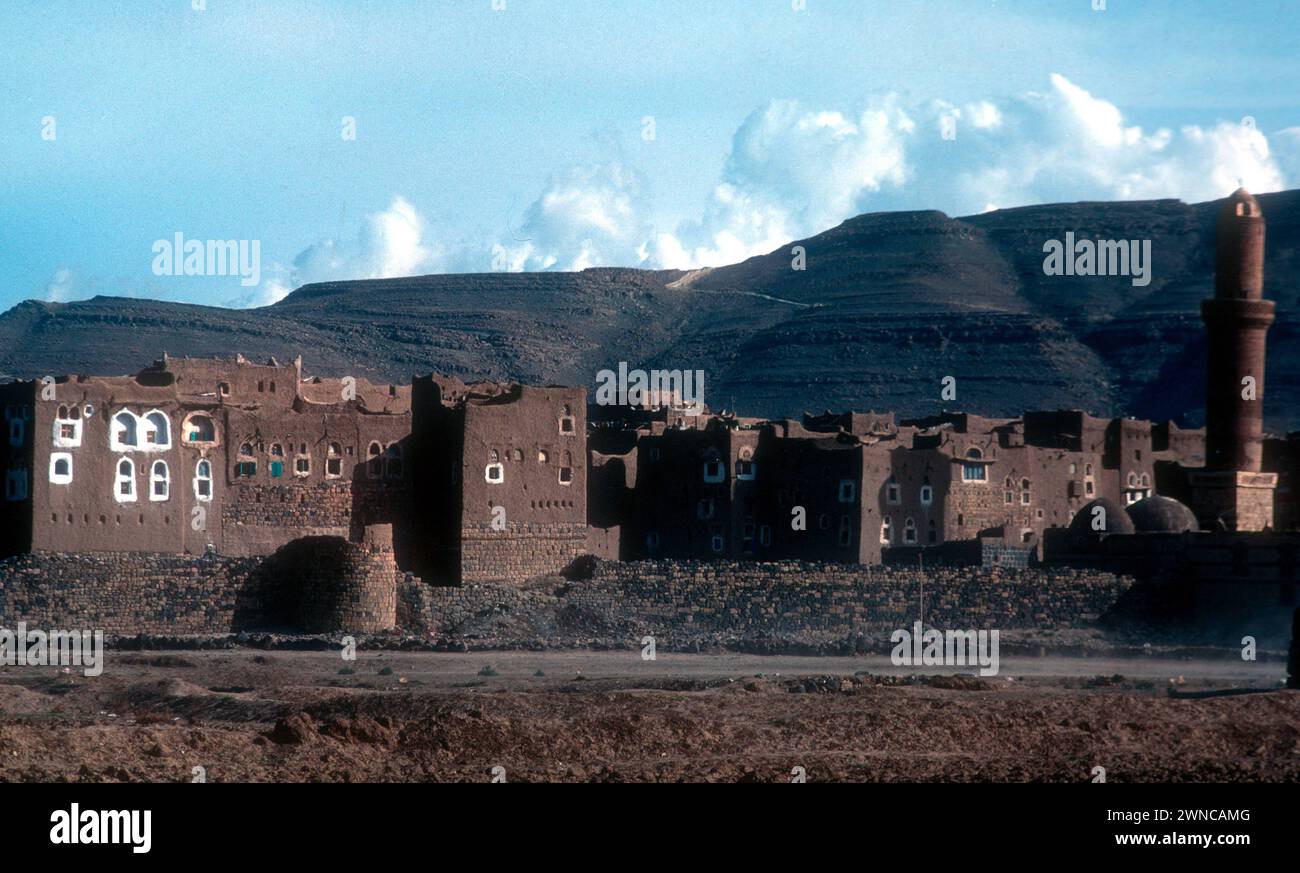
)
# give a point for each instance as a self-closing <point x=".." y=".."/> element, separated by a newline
<point x="251" y="715"/>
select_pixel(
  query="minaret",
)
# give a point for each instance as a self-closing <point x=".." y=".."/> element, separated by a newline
<point x="1231" y="492"/>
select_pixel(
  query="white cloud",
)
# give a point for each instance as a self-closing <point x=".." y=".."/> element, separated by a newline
<point x="60" y="288"/>
<point x="794" y="171"/>
<point x="389" y="244"/>
<point x="588" y="215"/>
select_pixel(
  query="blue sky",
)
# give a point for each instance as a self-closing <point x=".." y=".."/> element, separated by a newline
<point x="520" y="139"/>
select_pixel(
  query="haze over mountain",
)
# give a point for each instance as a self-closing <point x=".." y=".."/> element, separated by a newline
<point x="889" y="304"/>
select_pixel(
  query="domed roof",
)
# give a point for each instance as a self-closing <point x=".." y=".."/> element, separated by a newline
<point x="1162" y="515"/>
<point x="1113" y="521"/>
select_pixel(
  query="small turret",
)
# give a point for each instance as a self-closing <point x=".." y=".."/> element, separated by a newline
<point x="1239" y="249"/>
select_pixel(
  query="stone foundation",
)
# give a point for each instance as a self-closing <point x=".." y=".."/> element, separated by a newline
<point x="520" y="552"/>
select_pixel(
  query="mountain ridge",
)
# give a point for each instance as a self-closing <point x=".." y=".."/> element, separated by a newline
<point x="889" y="303"/>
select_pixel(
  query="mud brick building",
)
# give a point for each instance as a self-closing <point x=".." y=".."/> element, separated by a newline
<point x="501" y="488"/>
<point x="190" y="456"/>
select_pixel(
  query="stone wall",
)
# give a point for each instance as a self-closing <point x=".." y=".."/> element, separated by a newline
<point x="683" y="601"/>
<point x="315" y="584"/>
<point x="519" y="552"/>
<point x="332" y="584"/>
<point x="132" y="592"/>
<point x="258" y="519"/>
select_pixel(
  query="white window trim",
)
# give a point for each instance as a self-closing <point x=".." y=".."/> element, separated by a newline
<point x="501" y="473"/>
<point x="146" y="421"/>
<point x="199" y="477"/>
<point x="118" y="479"/>
<point x="60" y="478"/>
<point x="62" y="442"/>
<point x="155" y="478"/>
<point x="927" y="495"/>
<point x="116" y="430"/>
<point x="849" y="495"/>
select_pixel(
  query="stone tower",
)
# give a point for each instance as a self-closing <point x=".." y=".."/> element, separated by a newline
<point x="1231" y="492"/>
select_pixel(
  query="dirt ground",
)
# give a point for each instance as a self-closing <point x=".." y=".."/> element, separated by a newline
<point x="250" y="715"/>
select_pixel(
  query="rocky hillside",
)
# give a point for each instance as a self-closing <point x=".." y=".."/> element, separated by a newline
<point x="888" y="305"/>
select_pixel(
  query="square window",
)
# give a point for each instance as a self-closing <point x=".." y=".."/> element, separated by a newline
<point x="566" y="475"/>
<point x="495" y="474"/>
<point x="277" y="469"/>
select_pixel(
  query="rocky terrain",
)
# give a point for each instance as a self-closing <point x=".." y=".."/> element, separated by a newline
<point x="889" y="304"/>
<point x="248" y="715"/>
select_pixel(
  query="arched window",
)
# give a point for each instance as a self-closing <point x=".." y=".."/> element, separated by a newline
<point x="157" y="430"/>
<point x="203" y="480"/>
<point x="373" y="463"/>
<point x="200" y="429"/>
<point x="974" y="470"/>
<point x="160" y="484"/>
<point x="124" y="484"/>
<point x="1132" y="479"/>
<point x="123" y="433"/>
<point x="887" y="530"/>
<point x="932" y="534"/>
<point x="909" y="531"/>
<point x="60" y="468"/>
